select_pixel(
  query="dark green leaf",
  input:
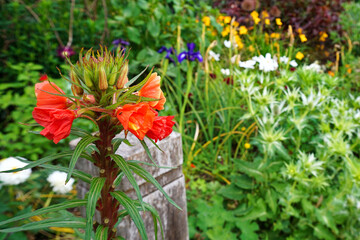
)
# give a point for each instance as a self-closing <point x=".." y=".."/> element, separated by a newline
<point x="101" y="233"/>
<point x="132" y="210"/>
<point x="84" y="142"/>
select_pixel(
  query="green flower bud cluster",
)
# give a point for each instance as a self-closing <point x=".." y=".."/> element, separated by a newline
<point x="99" y="72"/>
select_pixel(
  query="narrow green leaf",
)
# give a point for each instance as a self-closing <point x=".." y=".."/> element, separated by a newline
<point x="53" y="208"/>
<point x="148" y="152"/>
<point x="117" y="142"/>
<point x="135" y="78"/>
<point x="150" y="164"/>
<point x="148" y="177"/>
<point x="96" y="185"/>
<point x="131" y="208"/>
<point x="123" y="165"/>
<point x="79" y="132"/>
<point x="153" y="142"/>
<point x="118" y="179"/>
<point x="77" y="152"/>
<point x="101" y="233"/>
<point x="76" y="173"/>
<point x="74" y="222"/>
<point x="40" y="161"/>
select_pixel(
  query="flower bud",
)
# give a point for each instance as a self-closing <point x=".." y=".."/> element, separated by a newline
<point x="123" y="78"/>
<point x="112" y="79"/>
<point x="77" y="90"/>
<point x="103" y="83"/>
<point x="87" y="79"/>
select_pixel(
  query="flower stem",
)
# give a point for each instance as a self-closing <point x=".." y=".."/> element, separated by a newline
<point x="107" y="205"/>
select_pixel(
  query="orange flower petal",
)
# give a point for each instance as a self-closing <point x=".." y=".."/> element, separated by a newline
<point x="45" y="99"/>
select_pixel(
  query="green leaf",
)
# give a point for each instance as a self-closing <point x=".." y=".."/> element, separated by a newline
<point x="79" y="132"/>
<point x="323" y="233"/>
<point x="123" y="165"/>
<point x="248" y="230"/>
<point x="74" y="222"/>
<point x="118" y="179"/>
<point x="40" y="161"/>
<point x="153" y="27"/>
<point x="243" y="182"/>
<point x="77" y="152"/>
<point x="271" y="199"/>
<point x="94" y="193"/>
<point x="101" y="233"/>
<point x="148" y="152"/>
<point x="149" y="178"/>
<point x="131" y="208"/>
<point x="76" y="173"/>
<point x="134" y="78"/>
<point x="53" y="208"/>
<point x="133" y="34"/>
<point x="250" y="169"/>
<point x="117" y="142"/>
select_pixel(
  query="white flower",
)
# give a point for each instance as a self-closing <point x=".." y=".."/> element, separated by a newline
<point x="227" y="43"/>
<point x="267" y="63"/>
<point x="247" y="64"/>
<point x="57" y="181"/>
<point x="213" y="55"/>
<point x="225" y="71"/>
<point x="293" y="63"/>
<point x="284" y="59"/>
<point x="314" y="67"/>
<point x="13" y="178"/>
<point x="235" y="58"/>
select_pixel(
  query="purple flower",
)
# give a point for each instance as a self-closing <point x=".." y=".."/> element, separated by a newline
<point x="65" y="52"/>
<point x="120" y="42"/>
<point x="190" y="55"/>
<point x="168" y="52"/>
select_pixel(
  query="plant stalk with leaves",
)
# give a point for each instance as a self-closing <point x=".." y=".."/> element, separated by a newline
<point x="103" y="94"/>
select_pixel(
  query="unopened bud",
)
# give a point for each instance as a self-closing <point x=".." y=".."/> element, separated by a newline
<point x="77" y="90"/>
<point x="112" y="79"/>
<point x="123" y="78"/>
<point x="103" y="83"/>
<point x="87" y="79"/>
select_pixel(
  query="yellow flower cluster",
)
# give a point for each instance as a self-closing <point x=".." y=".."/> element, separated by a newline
<point x="323" y="36"/>
<point x="255" y="16"/>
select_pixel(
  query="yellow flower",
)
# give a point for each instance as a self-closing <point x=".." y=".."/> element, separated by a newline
<point x="235" y="24"/>
<point x="247" y="145"/>
<point x="299" y="30"/>
<point x="264" y="14"/>
<point x="276" y="45"/>
<point x="226" y="31"/>
<point x="227" y="19"/>
<point x="349" y="70"/>
<point x="302" y="38"/>
<point x="213" y="32"/>
<point x="220" y="18"/>
<point x="239" y="42"/>
<point x="251" y="48"/>
<point x="243" y="129"/>
<point x="299" y="55"/>
<point x="243" y="30"/>
<point x="255" y="16"/>
<point x="323" y="36"/>
<point x="206" y="21"/>
<point x="275" y="35"/>
<point x="278" y="21"/>
<point x="267" y="21"/>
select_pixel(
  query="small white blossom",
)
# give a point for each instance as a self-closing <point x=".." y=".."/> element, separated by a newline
<point x="267" y="64"/>
<point x="247" y="64"/>
<point x="227" y="43"/>
<point x="57" y="181"/>
<point x="225" y="71"/>
<point x="314" y="67"/>
<point x="284" y="59"/>
<point x="293" y="63"/>
<point x="215" y="56"/>
<point x="13" y="178"/>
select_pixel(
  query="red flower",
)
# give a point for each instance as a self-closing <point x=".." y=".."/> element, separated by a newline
<point x="151" y="89"/>
<point x="57" y="122"/>
<point x="43" y="77"/>
<point x="162" y="127"/>
<point x="47" y="100"/>
<point x="137" y="118"/>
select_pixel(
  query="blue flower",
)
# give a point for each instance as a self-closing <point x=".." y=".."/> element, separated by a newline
<point x="168" y="51"/>
<point x="190" y="55"/>
<point x="120" y="43"/>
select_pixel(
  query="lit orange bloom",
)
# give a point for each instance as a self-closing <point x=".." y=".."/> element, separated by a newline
<point x="243" y="30"/>
<point x="331" y="73"/>
<point x="151" y="89"/>
<point x="206" y="21"/>
<point x="45" y="99"/>
<point x="348" y="70"/>
<point x="323" y="36"/>
<point x="235" y="23"/>
<point x="227" y="19"/>
<point x="192" y="165"/>
<point x="137" y="118"/>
